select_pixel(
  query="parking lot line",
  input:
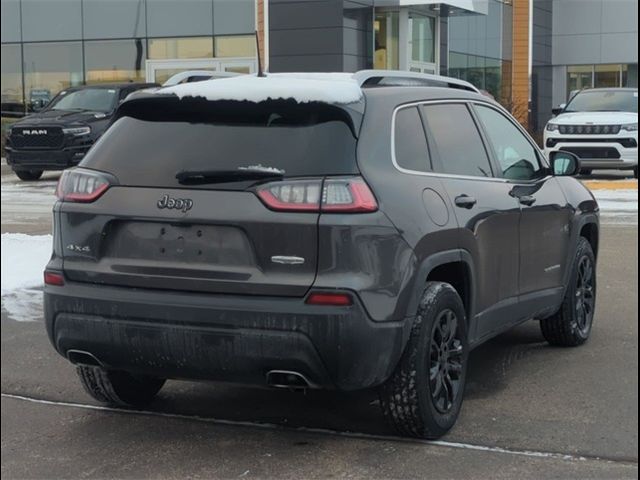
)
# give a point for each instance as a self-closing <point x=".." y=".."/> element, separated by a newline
<point x="321" y="431"/>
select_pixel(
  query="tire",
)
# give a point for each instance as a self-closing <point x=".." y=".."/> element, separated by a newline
<point x="571" y="325"/>
<point x="586" y="171"/>
<point x="28" y="175"/>
<point x="119" y="388"/>
<point x="411" y="399"/>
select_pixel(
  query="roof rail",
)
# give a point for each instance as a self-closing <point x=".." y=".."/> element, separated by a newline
<point x="398" y="78"/>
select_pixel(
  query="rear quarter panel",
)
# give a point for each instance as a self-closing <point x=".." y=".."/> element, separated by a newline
<point x="401" y="199"/>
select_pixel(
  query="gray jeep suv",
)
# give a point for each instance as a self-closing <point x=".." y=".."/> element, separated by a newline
<point x="323" y="232"/>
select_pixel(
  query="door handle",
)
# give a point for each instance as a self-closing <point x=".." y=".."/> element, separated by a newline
<point x="527" y="200"/>
<point x="465" y="201"/>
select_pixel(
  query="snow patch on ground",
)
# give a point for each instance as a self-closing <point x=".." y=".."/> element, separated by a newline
<point x="23" y="305"/>
<point x="617" y="201"/>
<point x="303" y="88"/>
<point x="23" y="260"/>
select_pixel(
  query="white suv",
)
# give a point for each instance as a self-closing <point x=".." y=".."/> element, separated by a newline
<point x="599" y="125"/>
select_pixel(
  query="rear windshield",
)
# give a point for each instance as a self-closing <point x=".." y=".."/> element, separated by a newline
<point x="151" y="150"/>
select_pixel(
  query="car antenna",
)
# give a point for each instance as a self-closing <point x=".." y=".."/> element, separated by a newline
<point x="260" y="72"/>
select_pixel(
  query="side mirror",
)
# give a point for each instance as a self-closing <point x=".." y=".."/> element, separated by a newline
<point x="558" y="110"/>
<point x="564" y="164"/>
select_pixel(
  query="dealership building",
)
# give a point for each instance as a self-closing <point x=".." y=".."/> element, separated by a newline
<point x="529" y="54"/>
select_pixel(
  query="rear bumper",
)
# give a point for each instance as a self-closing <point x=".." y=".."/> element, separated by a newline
<point x="45" y="159"/>
<point x="223" y="337"/>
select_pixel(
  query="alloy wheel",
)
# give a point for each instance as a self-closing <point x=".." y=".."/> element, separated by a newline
<point x="585" y="295"/>
<point x="446" y="361"/>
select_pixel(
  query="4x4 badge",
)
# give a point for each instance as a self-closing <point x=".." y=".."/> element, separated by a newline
<point x="183" y="204"/>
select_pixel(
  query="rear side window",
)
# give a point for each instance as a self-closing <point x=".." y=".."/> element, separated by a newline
<point x="457" y="140"/>
<point x="410" y="141"/>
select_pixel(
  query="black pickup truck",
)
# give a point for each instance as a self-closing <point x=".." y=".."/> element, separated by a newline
<point x="59" y="135"/>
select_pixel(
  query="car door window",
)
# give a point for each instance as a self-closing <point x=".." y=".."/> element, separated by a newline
<point x="410" y="141"/>
<point x="516" y="156"/>
<point x="457" y="140"/>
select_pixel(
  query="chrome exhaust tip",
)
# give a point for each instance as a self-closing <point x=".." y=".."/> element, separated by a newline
<point x="80" y="357"/>
<point x="288" y="379"/>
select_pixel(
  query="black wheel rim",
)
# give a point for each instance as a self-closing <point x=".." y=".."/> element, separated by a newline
<point x="446" y="361"/>
<point x="585" y="295"/>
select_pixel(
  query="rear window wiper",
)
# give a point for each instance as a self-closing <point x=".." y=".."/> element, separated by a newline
<point x="201" y="177"/>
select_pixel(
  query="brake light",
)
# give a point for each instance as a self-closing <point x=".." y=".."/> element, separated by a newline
<point x="53" y="278"/>
<point x="329" y="298"/>
<point x="337" y="195"/>
<point x="81" y="185"/>
<point x="348" y="195"/>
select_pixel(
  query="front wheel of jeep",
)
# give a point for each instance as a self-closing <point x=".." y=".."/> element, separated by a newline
<point x="118" y="388"/>
<point x="424" y="395"/>
<point x="571" y="325"/>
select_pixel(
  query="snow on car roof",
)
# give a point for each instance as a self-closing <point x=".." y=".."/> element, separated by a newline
<point x="333" y="88"/>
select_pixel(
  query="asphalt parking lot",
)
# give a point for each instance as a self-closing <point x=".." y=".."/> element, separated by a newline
<point x="530" y="411"/>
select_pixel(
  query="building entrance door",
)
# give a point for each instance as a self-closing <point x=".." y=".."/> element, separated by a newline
<point x="421" y="43"/>
<point x="159" y="71"/>
<point x="405" y="39"/>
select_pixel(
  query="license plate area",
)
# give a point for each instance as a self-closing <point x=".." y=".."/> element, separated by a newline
<point x="179" y="243"/>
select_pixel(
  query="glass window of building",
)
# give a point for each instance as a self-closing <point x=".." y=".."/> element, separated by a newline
<point x="483" y="72"/>
<point x="423" y="36"/>
<point x="46" y="21"/>
<point x="630" y="75"/>
<point x="11" y="75"/>
<point x="49" y="68"/>
<point x="386" y="32"/>
<point x="235" y="46"/>
<point x="233" y="16"/>
<point x="607" y="76"/>
<point x="475" y="73"/>
<point x="578" y="78"/>
<point x="171" y="18"/>
<point x="244" y="69"/>
<point x="10" y="19"/>
<point x="493" y="78"/>
<point x="458" y="63"/>
<point x="113" y="19"/>
<point x="191" y="47"/>
<point x="114" y="60"/>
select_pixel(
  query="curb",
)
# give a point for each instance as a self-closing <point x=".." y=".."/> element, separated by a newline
<point x="611" y="185"/>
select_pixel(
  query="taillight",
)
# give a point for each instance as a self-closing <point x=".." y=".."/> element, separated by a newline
<point x="292" y="196"/>
<point x="53" y="278"/>
<point x="335" y="299"/>
<point x="351" y="195"/>
<point x="81" y="185"/>
<point x="339" y="195"/>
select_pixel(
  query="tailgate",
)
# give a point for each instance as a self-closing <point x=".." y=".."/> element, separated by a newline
<point x="228" y="242"/>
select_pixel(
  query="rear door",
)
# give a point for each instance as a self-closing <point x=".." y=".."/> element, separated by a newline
<point x="150" y="230"/>
<point x="488" y="216"/>
<point x="546" y="215"/>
